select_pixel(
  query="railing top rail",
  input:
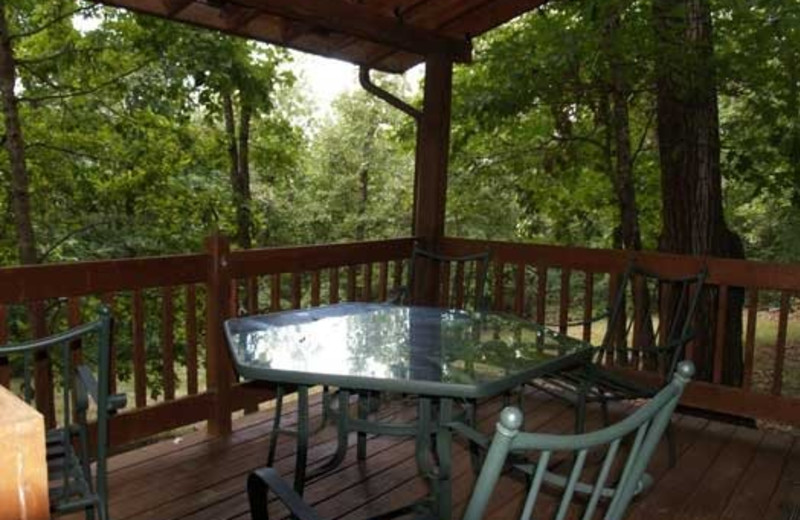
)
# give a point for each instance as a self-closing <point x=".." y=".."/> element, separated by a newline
<point x="722" y="271"/>
<point x="39" y="282"/>
<point x="266" y="261"/>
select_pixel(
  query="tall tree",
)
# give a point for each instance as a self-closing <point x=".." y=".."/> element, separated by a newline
<point x="693" y="221"/>
<point x="15" y="145"/>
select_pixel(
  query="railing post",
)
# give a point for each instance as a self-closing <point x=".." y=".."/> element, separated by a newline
<point x="218" y="370"/>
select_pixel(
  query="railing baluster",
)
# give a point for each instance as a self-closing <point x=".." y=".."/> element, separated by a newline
<point x="73" y="320"/>
<point x="5" y="367"/>
<point x="519" y="290"/>
<point x="722" y="323"/>
<point x="275" y="293"/>
<point x="444" y="284"/>
<point x="315" y="288"/>
<point x="191" y="339"/>
<point x="367" y="289"/>
<point x="233" y="299"/>
<point x="499" y="267"/>
<point x="459" y="283"/>
<point x="563" y="311"/>
<point x="397" y="277"/>
<point x="333" y="285"/>
<point x="139" y="357"/>
<point x="641" y="297"/>
<point x="351" y="283"/>
<point x="43" y="373"/>
<point x="109" y="301"/>
<point x="541" y="293"/>
<point x="780" y="345"/>
<point x="588" y="304"/>
<point x="168" y="342"/>
<point x="252" y="295"/>
<point x="750" y="339"/>
<point x="614" y="280"/>
<point x="297" y="289"/>
<point x="383" y="281"/>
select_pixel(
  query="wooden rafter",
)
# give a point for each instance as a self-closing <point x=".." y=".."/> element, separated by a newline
<point x="352" y="19"/>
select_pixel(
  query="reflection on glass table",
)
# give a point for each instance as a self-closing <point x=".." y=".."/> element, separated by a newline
<point x="439" y="355"/>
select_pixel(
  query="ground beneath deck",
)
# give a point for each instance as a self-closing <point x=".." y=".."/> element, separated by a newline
<point x="723" y="471"/>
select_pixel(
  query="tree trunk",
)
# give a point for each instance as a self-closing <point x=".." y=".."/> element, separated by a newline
<point x="15" y="144"/>
<point x="693" y="222"/>
<point x="244" y="215"/>
<point x="629" y="233"/>
<point x="238" y="153"/>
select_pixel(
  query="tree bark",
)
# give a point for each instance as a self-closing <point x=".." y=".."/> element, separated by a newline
<point x="693" y="222"/>
<point x="619" y="90"/>
<point x="15" y="145"/>
<point x="238" y="154"/>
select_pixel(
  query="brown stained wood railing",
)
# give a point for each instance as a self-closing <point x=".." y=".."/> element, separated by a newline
<point x="751" y="395"/>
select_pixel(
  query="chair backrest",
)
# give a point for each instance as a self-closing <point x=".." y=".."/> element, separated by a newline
<point x="77" y="386"/>
<point x="462" y="279"/>
<point x="619" y="477"/>
<point x="651" y="319"/>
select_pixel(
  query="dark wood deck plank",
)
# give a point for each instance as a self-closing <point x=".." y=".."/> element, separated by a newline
<point x="723" y="471"/>
<point x="752" y="496"/>
<point x="787" y="494"/>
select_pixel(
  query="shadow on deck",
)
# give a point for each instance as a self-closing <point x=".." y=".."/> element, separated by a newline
<point x="723" y="471"/>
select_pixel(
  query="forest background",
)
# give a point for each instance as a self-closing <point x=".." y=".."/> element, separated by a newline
<point x="141" y="136"/>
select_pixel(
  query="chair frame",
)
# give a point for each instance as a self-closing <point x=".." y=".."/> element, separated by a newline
<point x="405" y="294"/>
<point x="592" y="383"/>
<point x="68" y="445"/>
<point x="646" y="425"/>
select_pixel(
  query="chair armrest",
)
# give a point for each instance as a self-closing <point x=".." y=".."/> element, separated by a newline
<point x="260" y="482"/>
<point x="87" y="387"/>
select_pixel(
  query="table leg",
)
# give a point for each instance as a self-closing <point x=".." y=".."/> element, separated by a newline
<point x="302" y="439"/>
<point x="363" y="413"/>
<point x="444" y="445"/>
<point x="276" y="425"/>
<point x="422" y="443"/>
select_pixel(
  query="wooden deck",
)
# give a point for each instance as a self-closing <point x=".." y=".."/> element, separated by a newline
<point x="724" y="471"/>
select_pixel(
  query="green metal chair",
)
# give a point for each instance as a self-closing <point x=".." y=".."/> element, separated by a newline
<point x="648" y="328"/>
<point x="450" y="269"/>
<point x="73" y="487"/>
<point x="626" y="449"/>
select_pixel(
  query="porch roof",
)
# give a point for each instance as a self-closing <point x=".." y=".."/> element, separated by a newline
<point x="389" y="35"/>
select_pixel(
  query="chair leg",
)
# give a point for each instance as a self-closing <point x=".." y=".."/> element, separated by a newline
<point x="276" y="425"/>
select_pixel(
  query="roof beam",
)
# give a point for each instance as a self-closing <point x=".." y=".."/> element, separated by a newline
<point x="356" y="20"/>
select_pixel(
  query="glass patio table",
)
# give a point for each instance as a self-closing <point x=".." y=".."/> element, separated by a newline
<point x="438" y="355"/>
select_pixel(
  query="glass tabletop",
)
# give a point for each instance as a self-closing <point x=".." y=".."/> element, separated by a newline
<point x="381" y="347"/>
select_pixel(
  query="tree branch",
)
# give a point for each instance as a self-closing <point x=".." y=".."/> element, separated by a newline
<point x="54" y="21"/>
<point x="77" y="93"/>
<point x="640" y="146"/>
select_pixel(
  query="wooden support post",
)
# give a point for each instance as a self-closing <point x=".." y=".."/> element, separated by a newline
<point x="218" y="370"/>
<point x="430" y="182"/>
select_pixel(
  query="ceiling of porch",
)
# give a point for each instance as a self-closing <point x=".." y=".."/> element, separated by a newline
<point x="389" y="35"/>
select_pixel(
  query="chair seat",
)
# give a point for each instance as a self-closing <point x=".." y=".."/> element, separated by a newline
<point x="69" y="489"/>
<point x="596" y="384"/>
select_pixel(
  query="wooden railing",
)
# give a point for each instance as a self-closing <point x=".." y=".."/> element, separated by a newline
<point x="171" y="308"/>
<point x="559" y="285"/>
<point x="173" y="361"/>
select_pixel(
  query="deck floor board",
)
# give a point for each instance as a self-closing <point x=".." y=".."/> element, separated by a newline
<point x="723" y="471"/>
